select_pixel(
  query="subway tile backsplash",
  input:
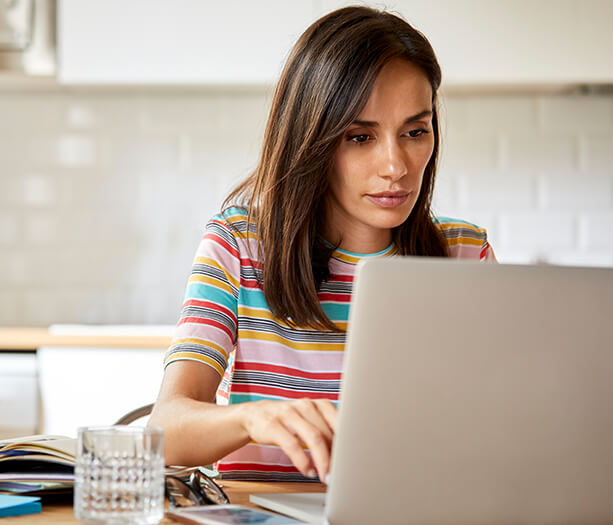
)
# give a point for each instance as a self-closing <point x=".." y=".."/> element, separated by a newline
<point x="104" y="194"/>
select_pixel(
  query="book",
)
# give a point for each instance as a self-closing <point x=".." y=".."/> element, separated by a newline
<point x="43" y="465"/>
<point x="42" y="453"/>
<point x="18" y="505"/>
<point x="46" y="444"/>
<point x="37" y="465"/>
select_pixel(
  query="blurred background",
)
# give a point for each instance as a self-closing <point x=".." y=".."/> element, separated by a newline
<point x="124" y="123"/>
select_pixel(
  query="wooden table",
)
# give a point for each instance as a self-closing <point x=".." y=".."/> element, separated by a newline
<point x="15" y="339"/>
<point x="237" y="491"/>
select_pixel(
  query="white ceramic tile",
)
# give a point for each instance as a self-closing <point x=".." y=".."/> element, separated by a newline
<point x="576" y="114"/>
<point x="500" y="192"/>
<point x="45" y="306"/>
<point x="576" y="192"/>
<point x="469" y="152"/>
<point x="152" y="305"/>
<point x="40" y="189"/>
<point x="180" y="114"/>
<point x="31" y="150"/>
<point x="243" y="115"/>
<point x="575" y="258"/>
<point x="445" y="193"/>
<point x="514" y="255"/>
<point x="21" y="110"/>
<point x="10" y="307"/>
<point x="108" y="189"/>
<point x="534" y="152"/>
<point x="596" y="231"/>
<point x="158" y="152"/>
<point x="537" y="232"/>
<point x="486" y="114"/>
<point x="12" y="270"/>
<point x="41" y="228"/>
<point x="596" y="154"/>
<point x="9" y="227"/>
<point x="454" y="114"/>
<point x="75" y="150"/>
<point x="80" y="115"/>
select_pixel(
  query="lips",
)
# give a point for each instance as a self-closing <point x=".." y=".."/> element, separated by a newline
<point x="388" y="199"/>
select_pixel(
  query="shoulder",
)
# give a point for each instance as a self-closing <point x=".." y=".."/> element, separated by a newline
<point x="232" y="230"/>
<point x="232" y="224"/>
<point x="464" y="239"/>
<point x="456" y="230"/>
<point x="232" y="218"/>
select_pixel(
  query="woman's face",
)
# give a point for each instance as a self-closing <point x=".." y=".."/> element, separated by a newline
<point x="380" y="161"/>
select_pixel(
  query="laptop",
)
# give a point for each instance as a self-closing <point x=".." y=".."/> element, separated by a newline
<point x="472" y="393"/>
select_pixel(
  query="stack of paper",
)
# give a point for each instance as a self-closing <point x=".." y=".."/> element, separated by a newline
<point x="39" y="464"/>
<point x="44" y="465"/>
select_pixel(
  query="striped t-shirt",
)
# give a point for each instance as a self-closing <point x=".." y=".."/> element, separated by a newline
<point x="226" y="324"/>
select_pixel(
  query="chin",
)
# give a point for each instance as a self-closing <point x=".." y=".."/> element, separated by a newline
<point x="389" y="223"/>
<point x="393" y="218"/>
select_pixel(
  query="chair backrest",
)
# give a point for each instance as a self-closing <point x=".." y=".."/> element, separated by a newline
<point x="135" y="414"/>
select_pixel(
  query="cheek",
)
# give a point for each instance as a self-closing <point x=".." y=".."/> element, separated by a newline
<point x="347" y="174"/>
<point x="427" y="152"/>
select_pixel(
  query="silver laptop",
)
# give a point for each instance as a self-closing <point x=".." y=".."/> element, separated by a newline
<point x="472" y="393"/>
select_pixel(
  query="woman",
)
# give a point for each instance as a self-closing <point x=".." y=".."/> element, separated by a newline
<point x="347" y="171"/>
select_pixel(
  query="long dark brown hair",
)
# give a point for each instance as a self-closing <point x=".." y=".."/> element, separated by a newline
<point x="323" y="88"/>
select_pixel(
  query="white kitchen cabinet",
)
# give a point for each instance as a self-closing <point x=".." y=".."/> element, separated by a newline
<point x="513" y="42"/>
<point x="19" y="404"/>
<point x="180" y="42"/>
<point x="203" y="42"/>
<point x="95" y="386"/>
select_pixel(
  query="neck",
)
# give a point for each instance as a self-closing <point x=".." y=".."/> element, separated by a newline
<point x="353" y="236"/>
<point x="360" y="240"/>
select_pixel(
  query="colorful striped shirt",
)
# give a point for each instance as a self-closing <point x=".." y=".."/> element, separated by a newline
<point x="226" y="324"/>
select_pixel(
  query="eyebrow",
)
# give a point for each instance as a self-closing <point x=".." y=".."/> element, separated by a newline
<point x="417" y="116"/>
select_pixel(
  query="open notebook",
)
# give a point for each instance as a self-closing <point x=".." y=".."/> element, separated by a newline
<point x="44" y="465"/>
<point x="37" y="464"/>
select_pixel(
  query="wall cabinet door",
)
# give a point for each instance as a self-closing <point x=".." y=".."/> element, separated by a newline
<point x="19" y="410"/>
<point x="178" y="42"/>
<point x="202" y="42"/>
<point x="513" y="42"/>
<point x="95" y="386"/>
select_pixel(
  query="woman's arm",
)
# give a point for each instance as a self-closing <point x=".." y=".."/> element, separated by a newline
<point x="198" y="432"/>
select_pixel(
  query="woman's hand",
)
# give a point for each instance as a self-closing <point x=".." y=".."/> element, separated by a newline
<point x="293" y="425"/>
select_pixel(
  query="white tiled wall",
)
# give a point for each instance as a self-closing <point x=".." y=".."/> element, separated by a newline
<point x="103" y="195"/>
<point x="537" y="171"/>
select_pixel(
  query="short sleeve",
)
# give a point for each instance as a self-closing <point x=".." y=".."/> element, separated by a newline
<point x="465" y="240"/>
<point x="487" y="252"/>
<point x="207" y="327"/>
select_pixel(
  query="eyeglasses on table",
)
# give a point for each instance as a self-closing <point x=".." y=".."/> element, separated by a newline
<point x="199" y="489"/>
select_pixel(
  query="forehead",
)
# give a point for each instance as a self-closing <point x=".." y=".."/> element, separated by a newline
<point x="401" y="87"/>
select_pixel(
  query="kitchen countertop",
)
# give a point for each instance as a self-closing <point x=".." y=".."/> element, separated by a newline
<point x="24" y="339"/>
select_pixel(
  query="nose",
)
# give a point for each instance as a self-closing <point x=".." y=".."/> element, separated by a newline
<point x="392" y="162"/>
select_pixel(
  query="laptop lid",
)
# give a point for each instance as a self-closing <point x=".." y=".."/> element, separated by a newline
<point x="475" y="393"/>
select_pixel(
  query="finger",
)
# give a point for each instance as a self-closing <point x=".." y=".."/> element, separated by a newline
<point x="290" y="444"/>
<point x="313" y="438"/>
<point x="310" y="411"/>
<point x="329" y="411"/>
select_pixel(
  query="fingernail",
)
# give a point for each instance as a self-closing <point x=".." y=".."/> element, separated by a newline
<point x="311" y="473"/>
<point x="327" y="479"/>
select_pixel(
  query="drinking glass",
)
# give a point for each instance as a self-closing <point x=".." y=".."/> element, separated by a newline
<point x="119" y="475"/>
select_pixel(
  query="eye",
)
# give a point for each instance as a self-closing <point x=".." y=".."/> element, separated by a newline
<point x="359" y="139"/>
<point x="416" y="133"/>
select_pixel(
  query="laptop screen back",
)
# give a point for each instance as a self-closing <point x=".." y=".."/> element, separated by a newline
<point x="475" y="393"/>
